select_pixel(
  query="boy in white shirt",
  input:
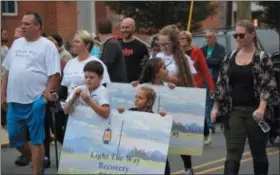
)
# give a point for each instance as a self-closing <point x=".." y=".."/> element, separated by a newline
<point x="92" y="94"/>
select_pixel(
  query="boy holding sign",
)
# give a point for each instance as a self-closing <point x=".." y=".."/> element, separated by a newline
<point x="92" y="94"/>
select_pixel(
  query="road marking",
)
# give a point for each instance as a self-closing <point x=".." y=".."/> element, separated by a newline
<point x="216" y="161"/>
<point x="222" y="167"/>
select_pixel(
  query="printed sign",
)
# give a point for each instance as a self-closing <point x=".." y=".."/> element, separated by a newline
<point x="126" y="143"/>
<point x="185" y="105"/>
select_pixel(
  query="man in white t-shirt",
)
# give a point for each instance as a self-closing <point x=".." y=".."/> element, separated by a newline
<point x="32" y="70"/>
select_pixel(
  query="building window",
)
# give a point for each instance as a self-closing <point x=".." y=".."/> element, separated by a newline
<point x="9" y="8"/>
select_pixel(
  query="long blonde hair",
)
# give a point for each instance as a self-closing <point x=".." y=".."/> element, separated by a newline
<point x="180" y="58"/>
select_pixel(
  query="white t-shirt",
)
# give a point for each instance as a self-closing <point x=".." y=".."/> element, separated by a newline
<point x="73" y="74"/>
<point x="4" y="52"/>
<point x="171" y="64"/>
<point x="100" y="95"/>
<point x="29" y="65"/>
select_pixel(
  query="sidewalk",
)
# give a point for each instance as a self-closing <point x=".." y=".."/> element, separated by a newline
<point x="4" y="138"/>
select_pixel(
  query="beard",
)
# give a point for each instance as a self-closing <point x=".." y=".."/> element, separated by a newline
<point x="127" y="35"/>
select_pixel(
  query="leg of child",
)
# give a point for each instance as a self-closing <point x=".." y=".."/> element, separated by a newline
<point x="187" y="160"/>
<point x="167" y="168"/>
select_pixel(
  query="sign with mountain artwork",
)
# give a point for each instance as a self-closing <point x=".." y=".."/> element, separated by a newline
<point x="126" y="143"/>
<point x="185" y="105"/>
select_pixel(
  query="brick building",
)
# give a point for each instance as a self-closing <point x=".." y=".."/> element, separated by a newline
<point x="57" y="16"/>
<point x="62" y="16"/>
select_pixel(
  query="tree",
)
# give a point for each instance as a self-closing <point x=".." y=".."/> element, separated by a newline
<point x="150" y="16"/>
<point x="271" y="15"/>
<point x="244" y="10"/>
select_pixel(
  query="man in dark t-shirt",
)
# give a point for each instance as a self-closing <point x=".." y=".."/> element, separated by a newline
<point x="112" y="55"/>
<point x="135" y="52"/>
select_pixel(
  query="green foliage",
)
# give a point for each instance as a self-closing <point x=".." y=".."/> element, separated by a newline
<point x="271" y="14"/>
<point x="153" y="15"/>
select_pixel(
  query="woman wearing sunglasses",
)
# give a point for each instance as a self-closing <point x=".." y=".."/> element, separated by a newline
<point x="245" y="92"/>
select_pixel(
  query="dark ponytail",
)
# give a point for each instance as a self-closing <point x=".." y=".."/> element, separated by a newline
<point x="150" y="70"/>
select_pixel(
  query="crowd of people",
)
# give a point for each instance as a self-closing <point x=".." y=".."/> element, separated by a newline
<point x="37" y="72"/>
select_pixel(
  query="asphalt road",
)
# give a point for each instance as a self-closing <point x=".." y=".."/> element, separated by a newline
<point x="210" y="163"/>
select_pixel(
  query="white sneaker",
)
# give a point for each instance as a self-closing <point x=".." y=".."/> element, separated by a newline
<point x="189" y="171"/>
<point x="208" y="139"/>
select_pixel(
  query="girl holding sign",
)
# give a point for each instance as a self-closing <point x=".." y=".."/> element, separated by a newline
<point x="180" y="68"/>
<point x="155" y="73"/>
<point x="180" y="71"/>
<point x="144" y="100"/>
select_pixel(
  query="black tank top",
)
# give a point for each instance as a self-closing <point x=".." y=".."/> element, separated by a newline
<point x="242" y="83"/>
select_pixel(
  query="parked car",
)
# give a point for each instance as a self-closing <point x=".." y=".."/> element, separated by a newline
<point x="268" y="39"/>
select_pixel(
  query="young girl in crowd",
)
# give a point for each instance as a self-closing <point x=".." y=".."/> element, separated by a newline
<point x="144" y="100"/>
<point x="155" y="73"/>
<point x="180" y="68"/>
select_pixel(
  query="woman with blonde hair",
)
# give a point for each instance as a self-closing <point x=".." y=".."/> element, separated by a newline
<point x="180" y="70"/>
<point x="245" y="92"/>
<point x="73" y="72"/>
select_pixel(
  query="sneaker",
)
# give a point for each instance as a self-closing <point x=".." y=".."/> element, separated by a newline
<point x="43" y="171"/>
<point x="22" y="161"/>
<point x="47" y="163"/>
<point x="189" y="171"/>
<point x="208" y="139"/>
<point x="213" y="130"/>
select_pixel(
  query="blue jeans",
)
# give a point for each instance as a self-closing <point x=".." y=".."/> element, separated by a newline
<point x="208" y="108"/>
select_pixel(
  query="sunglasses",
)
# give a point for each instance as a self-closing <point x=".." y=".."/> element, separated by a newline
<point x="240" y="35"/>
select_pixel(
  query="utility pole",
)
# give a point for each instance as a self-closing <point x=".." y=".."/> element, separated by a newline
<point x="244" y="10"/>
<point x="86" y="16"/>
<point x="228" y="14"/>
<point x="222" y="14"/>
<point x="190" y="16"/>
